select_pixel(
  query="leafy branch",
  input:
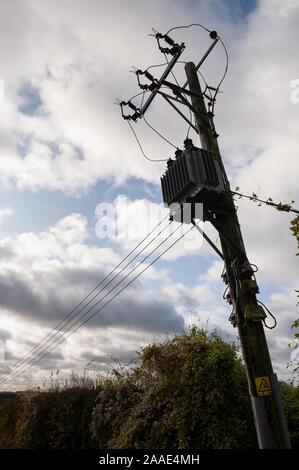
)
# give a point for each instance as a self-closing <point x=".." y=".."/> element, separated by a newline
<point x="269" y="202"/>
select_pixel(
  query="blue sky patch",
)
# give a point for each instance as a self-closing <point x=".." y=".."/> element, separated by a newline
<point x="31" y="100"/>
<point x="239" y="9"/>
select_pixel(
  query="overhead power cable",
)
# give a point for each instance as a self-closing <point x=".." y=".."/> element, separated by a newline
<point x="61" y="330"/>
<point x="59" y="326"/>
<point x="110" y="300"/>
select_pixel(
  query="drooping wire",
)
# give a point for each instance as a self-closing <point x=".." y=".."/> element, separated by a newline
<point x="188" y="26"/>
<point x="150" y="126"/>
<point x="226" y="54"/>
<point x="58" y="327"/>
<point x="141" y="149"/>
<point x="158" y="133"/>
<point x="275" y="321"/>
<point x="110" y="300"/>
<point x="223" y="77"/>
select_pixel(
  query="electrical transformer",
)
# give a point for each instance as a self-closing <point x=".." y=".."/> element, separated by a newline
<point x="194" y="176"/>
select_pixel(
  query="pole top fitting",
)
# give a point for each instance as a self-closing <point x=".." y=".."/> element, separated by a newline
<point x="188" y="143"/>
<point x="178" y="153"/>
<point x="213" y="34"/>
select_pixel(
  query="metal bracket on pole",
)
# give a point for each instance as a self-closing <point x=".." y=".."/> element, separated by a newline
<point x="168" y="99"/>
<point x="203" y="58"/>
<point x="224" y="234"/>
<point x="179" y="92"/>
<point x="207" y="239"/>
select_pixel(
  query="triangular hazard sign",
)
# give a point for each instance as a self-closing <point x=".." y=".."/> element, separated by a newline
<point x="263" y="385"/>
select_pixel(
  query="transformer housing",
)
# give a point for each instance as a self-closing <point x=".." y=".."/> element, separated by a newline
<point x="194" y="176"/>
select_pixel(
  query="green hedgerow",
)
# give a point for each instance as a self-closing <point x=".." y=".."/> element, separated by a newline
<point x="188" y="392"/>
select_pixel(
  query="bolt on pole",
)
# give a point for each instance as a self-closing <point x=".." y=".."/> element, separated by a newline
<point x="269" y="418"/>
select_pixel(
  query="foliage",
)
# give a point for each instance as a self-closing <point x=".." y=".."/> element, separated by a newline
<point x="58" y="417"/>
<point x="10" y="412"/>
<point x="6" y="395"/>
<point x="295" y="344"/>
<point x="290" y="398"/>
<point x="295" y="229"/>
<point x="269" y="202"/>
<point x="53" y="420"/>
<point x="187" y="392"/>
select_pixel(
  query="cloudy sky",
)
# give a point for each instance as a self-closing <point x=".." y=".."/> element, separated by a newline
<point x="67" y="155"/>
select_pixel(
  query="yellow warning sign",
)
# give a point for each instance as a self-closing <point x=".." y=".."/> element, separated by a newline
<point x="263" y="386"/>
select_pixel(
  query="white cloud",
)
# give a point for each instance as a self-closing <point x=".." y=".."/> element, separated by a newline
<point x="7" y="211"/>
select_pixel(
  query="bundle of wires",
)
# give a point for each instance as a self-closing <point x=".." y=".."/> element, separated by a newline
<point x="87" y="309"/>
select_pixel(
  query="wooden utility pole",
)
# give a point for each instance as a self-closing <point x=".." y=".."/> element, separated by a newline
<point x="264" y="393"/>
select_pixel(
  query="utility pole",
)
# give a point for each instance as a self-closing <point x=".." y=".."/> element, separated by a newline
<point x="264" y="393"/>
<point x="202" y="170"/>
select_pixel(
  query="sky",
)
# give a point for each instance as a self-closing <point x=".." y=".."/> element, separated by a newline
<point x="69" y="161"/>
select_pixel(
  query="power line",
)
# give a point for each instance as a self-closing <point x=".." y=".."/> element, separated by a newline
<point x="149" y="125"/>
<point x="223" y="77"/>
<point x="110" y="300"/>
<point x="188" y="26"/>
<point x="61" y="331"/>
<point x="37" y="347"/>
<point x="63" y="339"/>
<point x="158" y="133"/>
<point x="141" y="149"/>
